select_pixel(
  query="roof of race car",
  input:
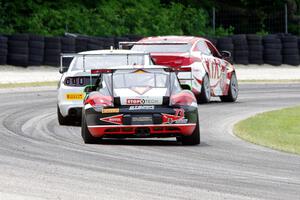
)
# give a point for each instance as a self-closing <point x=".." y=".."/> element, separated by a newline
<point x="171" y="38"/>
<point x="112" y="51"/>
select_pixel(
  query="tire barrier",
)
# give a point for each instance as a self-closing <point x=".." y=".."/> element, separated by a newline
<point x="81" y="44"/>
<point x="95" y="43"/>
<point x="52" y="51"/>
<point x="18" y="50"/>
<point x="225" y="44"/>
<point x="68" y="45"/>
<point x="255" y="48"/>
<point x="36" y="50"/>
<point x="272" y="50"/>
<point x="240" y="53"/>
<point x="290" y="51"/>
<point x="3" y="50"/>
<point x="213" y="40"/>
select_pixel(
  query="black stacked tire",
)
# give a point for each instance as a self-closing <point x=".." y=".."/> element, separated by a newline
<point x="18" y="50"/>
<point x="272" y="50"/>
<point x="52" y="51"/>
<point x="95" y="43"/>
<point x="3" y="50"/>
<point x="290" y="51"/>
<point x="108" y="42"/>
<point x="255" y="48"/>
<point x="225" y="44"/>
<point x="81" y="44"/>
<point x="121" y="39"/>
<point x="36" y="50"/>
<point x="213" y="40"/>
<point x="241" y="53"/>
<point x="68" y="45"/>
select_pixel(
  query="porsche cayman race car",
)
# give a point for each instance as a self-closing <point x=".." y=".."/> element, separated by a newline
<point x="207" y="70"/>
<point x="78" y="75"/>
<point x="139" y="102"/>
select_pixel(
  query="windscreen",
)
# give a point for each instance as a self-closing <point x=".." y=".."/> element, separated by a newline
<point x="162" y="48"/>
<point x="128" y="80"/>
<point x="103" y="61"/>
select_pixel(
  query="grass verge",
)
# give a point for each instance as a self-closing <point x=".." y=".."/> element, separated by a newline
<point x="276" y="129"/>
<point x="31" y="84"/>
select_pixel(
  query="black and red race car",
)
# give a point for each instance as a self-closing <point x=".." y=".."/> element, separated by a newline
<point x="139" y="101"/>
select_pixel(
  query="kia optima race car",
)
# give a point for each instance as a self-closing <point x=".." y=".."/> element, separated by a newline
<point x="78" y="75"/>
<point x="207" y="71"/>
<point x="139" y="102"/>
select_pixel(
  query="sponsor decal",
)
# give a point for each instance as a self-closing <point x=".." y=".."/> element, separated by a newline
<point x="110" y="110"/>
<point x="140" y="90"/>
<point x="116" y="119"/>
<point x="142" y="101"/>
<point x="178" y="118"/>
<point x="133" y="101"/>
<point x="141" y="119"/>
<point x="141" y="108"/>
<point x="74" y="96"/>
<point x="139" y="71"/>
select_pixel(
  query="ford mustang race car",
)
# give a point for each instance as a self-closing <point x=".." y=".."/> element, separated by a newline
<point x="78" y="75"/>
<point x="207" y="70"/>
<point x="139" y="102"/>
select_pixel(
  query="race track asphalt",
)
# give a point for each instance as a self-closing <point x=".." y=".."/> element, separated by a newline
<point x="41" y="160"/>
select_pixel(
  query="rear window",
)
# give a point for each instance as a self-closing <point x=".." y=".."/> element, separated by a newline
<point x="103" y="61"/>
<point x="163" y="48"/>
<point x="127" y="80"/>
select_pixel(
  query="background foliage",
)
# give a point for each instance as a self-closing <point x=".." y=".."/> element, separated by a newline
<point x="119" y="17"/>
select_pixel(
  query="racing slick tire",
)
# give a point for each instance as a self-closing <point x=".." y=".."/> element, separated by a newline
<point x="193" y="139"/>
<point x="61" y="119"/>
<point x="85" y="133"/>
<point x="232" y="90"/>
<point x="204" y="96"/>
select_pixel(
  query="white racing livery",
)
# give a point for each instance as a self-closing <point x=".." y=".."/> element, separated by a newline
<point x="78" y="75"/>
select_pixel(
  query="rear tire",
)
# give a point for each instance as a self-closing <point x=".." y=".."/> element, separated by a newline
<point x="61" y="119"/>
<point x="232" y="90"/>
<point x="204" y="96"/>
<point x="85" y="133"/>
<point x="193" y="139"/>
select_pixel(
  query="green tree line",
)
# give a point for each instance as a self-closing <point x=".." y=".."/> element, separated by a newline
<point x="124" y="17"/>
<point x="113" y="17"/>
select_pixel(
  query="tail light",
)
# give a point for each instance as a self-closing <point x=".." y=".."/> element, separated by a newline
<point x="97" y="99"/>
<point x="173" y="61"/>
<point x="183" y="98"/>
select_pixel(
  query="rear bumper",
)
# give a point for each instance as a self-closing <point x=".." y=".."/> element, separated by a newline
<point x="155" y="130"/>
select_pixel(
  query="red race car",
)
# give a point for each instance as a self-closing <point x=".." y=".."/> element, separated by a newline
<point x="207" y="71"/>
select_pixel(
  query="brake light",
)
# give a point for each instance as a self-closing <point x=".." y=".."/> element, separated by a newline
<point x="184" y="98"/>
<point x="96" y="99"/>
<point x="99" y="71"/>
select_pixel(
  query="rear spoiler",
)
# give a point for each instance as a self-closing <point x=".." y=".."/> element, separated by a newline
<point x="167" y="69"/>
<point x="128" y="44"/>
<point x="72" y="55"/>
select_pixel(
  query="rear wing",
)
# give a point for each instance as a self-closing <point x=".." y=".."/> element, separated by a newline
<point x="130" y="44"/>
<point x="64" y="68"/>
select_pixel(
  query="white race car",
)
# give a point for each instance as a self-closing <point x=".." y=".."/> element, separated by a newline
<point x="78" y="75"/>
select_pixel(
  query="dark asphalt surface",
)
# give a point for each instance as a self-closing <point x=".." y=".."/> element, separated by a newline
<point x="41" y="160"/>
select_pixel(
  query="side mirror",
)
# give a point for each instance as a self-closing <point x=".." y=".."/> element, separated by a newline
<point x="63" y="70"/>
<point x="89" y="88"/>
<point x="185" y="86"/>
<point x="225" y="54"/>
